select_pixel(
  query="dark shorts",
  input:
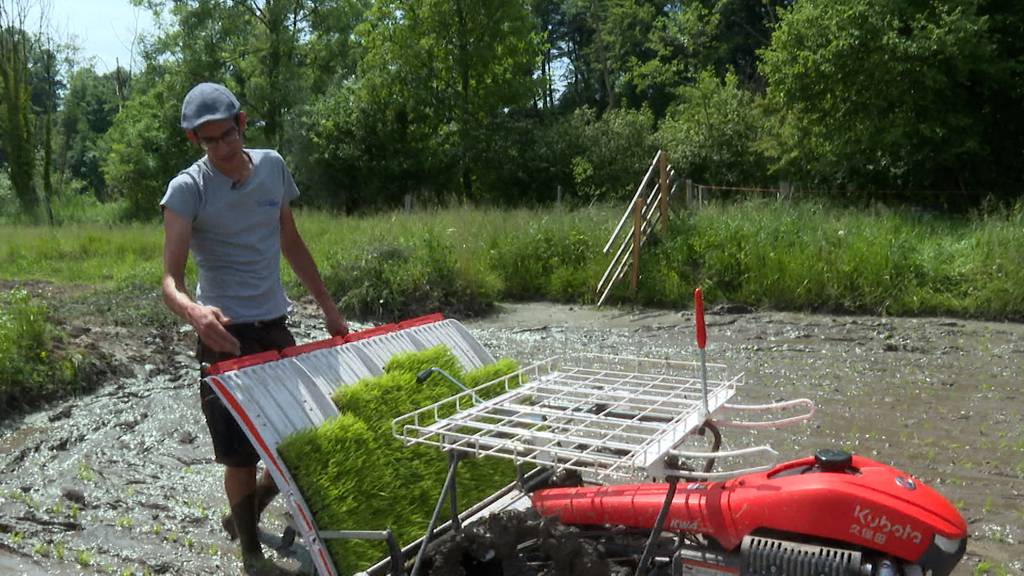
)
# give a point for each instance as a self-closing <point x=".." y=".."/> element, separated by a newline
<point x="231" y="447"/>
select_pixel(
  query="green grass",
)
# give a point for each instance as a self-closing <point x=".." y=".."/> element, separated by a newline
<point x="83" y="254"/>
<point x="795" y="256"/>
<point x="355" y="475"/>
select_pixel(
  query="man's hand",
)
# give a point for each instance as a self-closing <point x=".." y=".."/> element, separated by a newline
<point x="336" y="325"/>
<point x="210" y="323"/>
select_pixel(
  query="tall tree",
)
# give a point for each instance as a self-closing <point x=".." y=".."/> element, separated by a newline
<point x="449" y="66"/>
<point x="605" y="38"/>
<point x="15" y="47"/>
<point x="880" y="93"/>
<point x="274" y="53"/>
<point x="90" y="105"/>
<point x="47" y="84"/>
<point x="270" y="67"/>
<point x="144" y="147"/>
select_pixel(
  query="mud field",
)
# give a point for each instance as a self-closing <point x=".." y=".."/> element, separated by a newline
<point x="121" y="481"/>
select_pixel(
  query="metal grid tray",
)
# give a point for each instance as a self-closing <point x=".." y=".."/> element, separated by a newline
<point x="613" y="418"/>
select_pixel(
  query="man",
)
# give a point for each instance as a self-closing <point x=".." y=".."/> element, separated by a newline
<point x="231" y="209"/>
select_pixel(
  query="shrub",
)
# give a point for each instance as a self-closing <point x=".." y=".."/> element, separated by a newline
<point x="404" y="278"/>
<point x="32" y="368"/>
<point x="616" y="150"/>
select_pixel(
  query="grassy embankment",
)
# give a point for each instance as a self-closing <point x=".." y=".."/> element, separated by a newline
<point x="801" y="256"/>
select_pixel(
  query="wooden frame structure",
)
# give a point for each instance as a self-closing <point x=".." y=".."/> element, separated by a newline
<point x="648" y="207"/>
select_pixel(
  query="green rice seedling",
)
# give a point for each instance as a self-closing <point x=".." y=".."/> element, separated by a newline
<point x="83" y="558"/>
<point x="985" y="568"/>
<point x="85" y="472"/>
<point x="414" y="362"/>
<point x="485" y="374"/>
<point x="393" y="394"/>
<point x="355" y="474"/>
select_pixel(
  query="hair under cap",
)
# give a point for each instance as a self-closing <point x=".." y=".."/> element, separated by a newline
<point x="207" y="102"/>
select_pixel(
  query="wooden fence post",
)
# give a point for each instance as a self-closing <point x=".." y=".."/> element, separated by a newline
<point x="638" y="223"/>
<point x="689" y="193"/>
<point x="663" y="185"/>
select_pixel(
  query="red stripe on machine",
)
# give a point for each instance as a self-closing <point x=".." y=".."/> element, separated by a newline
<point x="302" y="511"/>
<point x="233" y="402"/>
<point x="323" y="558"/>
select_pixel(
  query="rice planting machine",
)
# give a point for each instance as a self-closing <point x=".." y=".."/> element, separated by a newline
<point x="617" y="454"/>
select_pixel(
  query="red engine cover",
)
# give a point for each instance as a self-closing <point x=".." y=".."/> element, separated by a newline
<point x="869" y="505"/>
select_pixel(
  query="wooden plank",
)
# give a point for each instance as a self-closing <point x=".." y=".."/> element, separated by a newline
<point x="620" y="271"/>
<point x="629" y="209"/>
<point x="638" y="225"/>
<point x="618" y="254"/>
<point x="663" y="189"/>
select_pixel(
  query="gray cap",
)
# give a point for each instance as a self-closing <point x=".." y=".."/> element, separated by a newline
<point x="206" y="102"/>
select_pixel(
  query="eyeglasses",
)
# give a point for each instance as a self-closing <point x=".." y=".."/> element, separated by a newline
<point x="230" y="136"/>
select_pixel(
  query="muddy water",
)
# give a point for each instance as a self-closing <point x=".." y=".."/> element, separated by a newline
<point x="121" y="481"/>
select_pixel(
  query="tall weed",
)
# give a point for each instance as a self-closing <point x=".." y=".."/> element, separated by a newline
<point x="32" y="368"/>
<point x="812" y="256"/>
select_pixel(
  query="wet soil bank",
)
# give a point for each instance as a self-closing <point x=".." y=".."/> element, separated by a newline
<point x="121" y="481"/>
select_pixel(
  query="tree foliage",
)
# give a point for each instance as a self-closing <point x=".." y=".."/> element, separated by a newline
<point x="514" y="102"/>
<point x="434" y="75"/>
<point x="615" y="152"/>
<point x="712" y="134"/>
<point x="91" y="103"/>
<point x="145" y="147"/>
<point x="880" y="94"/>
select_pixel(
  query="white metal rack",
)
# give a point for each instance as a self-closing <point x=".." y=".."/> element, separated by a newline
<point x="612" y="418"/>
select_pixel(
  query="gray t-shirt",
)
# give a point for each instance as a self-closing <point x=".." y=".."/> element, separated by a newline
<point x="236" y="234"/>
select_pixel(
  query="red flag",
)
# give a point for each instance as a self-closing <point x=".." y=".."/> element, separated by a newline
<point x="698" y="311"/>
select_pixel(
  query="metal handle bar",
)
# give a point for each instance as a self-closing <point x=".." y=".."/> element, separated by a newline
<point x="765" y="408"/>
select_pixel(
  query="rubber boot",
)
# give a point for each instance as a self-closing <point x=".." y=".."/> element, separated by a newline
<point x="246" y="520"/>
<point x="265" y="492"/>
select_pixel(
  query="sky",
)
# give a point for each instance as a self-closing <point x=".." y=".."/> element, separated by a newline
<point x="103" y="29"/>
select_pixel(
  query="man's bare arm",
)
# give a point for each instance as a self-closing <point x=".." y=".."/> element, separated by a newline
<point x="302" y="263"/>
<point x="208" y="321"/>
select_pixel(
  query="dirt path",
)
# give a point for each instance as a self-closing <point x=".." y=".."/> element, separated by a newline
<point x="121" y="481"/>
